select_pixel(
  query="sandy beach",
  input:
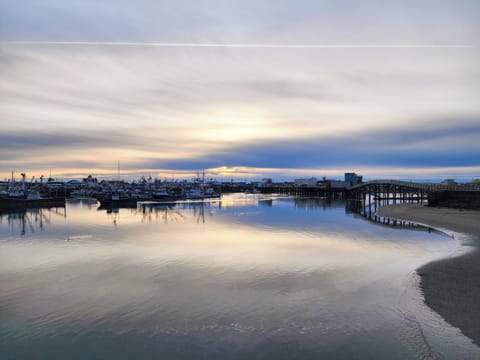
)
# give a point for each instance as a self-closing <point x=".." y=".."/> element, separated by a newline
<point x="451" y="286"/>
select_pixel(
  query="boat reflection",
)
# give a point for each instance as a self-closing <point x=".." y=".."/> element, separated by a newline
<point x="200" y="211"/>
<point x="31" y="220"/>
<point x="90" y="203"/>
<point x="177" y="211"/>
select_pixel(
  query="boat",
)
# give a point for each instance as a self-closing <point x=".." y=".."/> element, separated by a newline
<point x="116" y="199"/>
<point x="17" y="200"/>
<point x="194" y="194"/>
<point x="200" y="194"/>
<point x="163" y="194"/>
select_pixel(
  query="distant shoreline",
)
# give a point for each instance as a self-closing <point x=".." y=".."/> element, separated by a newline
<point x="451" y="286"/>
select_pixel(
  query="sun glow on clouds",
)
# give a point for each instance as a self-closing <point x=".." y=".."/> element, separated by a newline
<point x="225" y="126"/>
<point x="240" y="112"/>
<point x="241" y="173"/>
<point x="241" y="127"/>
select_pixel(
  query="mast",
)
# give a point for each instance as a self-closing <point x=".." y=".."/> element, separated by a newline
<point x="23" y="180"/>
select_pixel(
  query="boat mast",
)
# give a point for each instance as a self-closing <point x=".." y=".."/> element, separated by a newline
<point x="23" y="180"/>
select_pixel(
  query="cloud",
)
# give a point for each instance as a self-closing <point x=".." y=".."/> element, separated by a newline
<point x="337" y="21"/>
<point x="430" y="146"/>
<point x="188" y="108"/>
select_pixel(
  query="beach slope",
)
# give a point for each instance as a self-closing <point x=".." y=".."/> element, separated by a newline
<point x="451" y="286"/>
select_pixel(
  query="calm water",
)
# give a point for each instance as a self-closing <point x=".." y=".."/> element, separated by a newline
<point x="244" y="277"/>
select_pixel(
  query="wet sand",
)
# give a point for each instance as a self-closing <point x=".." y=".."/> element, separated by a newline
<point x="451" y="286"/>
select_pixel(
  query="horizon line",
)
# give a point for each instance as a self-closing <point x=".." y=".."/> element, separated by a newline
<point x="234" y="45"/>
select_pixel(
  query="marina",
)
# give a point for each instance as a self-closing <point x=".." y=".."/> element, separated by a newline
<point x="115" y="193"/>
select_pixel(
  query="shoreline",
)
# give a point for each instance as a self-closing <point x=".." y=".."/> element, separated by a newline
<point x="451" y="286"/>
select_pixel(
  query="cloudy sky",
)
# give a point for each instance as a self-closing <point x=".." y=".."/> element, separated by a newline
<point x="172" y="87"/>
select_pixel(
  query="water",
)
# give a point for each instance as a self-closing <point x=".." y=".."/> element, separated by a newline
<point x="244" y="277"/>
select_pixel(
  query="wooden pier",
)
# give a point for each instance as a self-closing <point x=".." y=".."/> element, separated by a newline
<point x="383" y="192"/>
<point x="392" y="191"/>
<point x="292" y="190"/>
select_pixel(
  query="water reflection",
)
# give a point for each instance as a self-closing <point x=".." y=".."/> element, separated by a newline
<point x="175" y="211"/>
<point x="30" y="220"/>
<point x="368" y="211"/>
<point x="241" y="277"/>
<point x="308" y="203"/>
<point x="89" y="203"/>
<point x="165" y="213"/>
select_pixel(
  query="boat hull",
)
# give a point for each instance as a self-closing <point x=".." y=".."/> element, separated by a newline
<point x="19" y="204"/>
<point x="109" y="203"/>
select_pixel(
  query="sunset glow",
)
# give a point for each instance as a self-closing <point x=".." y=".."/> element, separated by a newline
<point x="225" y="93"/>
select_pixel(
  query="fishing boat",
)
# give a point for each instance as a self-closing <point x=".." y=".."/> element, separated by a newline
<point x="201" y="193"/>
<point x="116" y="199"/>
<point x="16" y="200"/>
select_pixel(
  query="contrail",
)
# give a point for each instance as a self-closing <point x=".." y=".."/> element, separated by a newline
<point x="226" y="45"/>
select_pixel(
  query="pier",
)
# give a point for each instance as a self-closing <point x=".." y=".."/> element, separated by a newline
<point x="316" y="191"/>
<point x="465" y="196"/>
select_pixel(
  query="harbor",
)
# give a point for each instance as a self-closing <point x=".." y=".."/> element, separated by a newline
<point x="231" y="180"/>
<point x="18" y="194"/>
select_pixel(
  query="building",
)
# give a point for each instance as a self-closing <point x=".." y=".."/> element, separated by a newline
<point x="310" y="182"/>
<point x="338" y="184"/>
<point x="448" y="182"/>
<point x="352" y="179"/>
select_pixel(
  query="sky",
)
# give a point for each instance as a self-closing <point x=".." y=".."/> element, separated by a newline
<point x="241" y="89"/>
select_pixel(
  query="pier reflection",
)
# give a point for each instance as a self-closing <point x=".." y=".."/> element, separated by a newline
<point x="316" y="203"/>
<point x="368" y="209"/>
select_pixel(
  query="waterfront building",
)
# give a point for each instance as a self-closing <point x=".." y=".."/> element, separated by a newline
<point x="448" y="182"/>
<point x="352" y="178"/>
<point x="310" y="182"/>
<point x="338" y="184"/>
